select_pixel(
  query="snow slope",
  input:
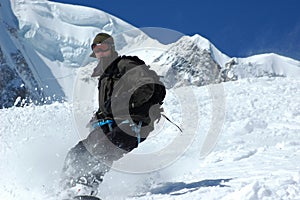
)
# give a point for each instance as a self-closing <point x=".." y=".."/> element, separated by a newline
<point x="256" y="156"/>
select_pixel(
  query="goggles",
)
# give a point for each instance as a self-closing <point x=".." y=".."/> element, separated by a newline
<point x="101" y="47"/>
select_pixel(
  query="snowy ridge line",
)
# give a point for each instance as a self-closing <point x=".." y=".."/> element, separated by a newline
<point x="63" y="46"/>
<point x="196" y="61"/>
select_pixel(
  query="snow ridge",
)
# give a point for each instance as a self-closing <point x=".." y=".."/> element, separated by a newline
<point x="54" y="40"/>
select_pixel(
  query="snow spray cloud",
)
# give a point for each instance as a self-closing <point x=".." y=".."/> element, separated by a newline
<point x="144" y="162"/>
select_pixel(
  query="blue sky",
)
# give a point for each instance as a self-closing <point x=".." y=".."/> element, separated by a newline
<point x="238" y="28"/>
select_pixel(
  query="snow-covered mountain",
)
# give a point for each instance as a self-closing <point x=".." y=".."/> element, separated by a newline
<point x="191" y="61"/>
<point x="44" y="56"/>
<point x="196" y="61"/>
<point x="45" y="44"/>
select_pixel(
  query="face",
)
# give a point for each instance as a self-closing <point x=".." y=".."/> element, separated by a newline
<point x="102" y="50"/>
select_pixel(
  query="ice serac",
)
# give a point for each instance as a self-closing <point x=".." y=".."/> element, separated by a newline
<point x="17" y="80"/>
<point x="64" y="32"/>
<point x="58" y="36"/>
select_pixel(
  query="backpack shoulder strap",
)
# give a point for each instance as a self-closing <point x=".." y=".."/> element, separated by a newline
<point x="134" y="59"/>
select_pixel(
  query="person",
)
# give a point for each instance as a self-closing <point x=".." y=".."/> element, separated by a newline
<point x="130" y="97"/>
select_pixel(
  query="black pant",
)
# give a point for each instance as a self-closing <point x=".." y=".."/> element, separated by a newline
<point x="94" y="156"/>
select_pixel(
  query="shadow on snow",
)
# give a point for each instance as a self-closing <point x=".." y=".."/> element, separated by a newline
<point x="173" y="187"/>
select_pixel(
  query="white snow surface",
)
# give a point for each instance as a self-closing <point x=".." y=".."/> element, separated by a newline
<point x="256" y="155"/>
<point x="257" y="152"/>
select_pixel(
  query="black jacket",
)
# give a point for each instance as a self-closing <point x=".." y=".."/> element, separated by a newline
<point x="128" y="89"/>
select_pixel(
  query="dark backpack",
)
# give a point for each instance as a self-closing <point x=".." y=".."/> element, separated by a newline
<point x="151" y="110"/>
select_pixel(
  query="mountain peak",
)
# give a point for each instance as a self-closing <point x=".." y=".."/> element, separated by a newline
<point x="201" y="41"/>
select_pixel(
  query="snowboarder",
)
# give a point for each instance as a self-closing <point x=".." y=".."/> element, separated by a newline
<point x="130" y="99"/>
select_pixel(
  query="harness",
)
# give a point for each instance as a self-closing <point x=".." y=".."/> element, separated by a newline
<point x="103" y="122"/>
<point x="136" y="128"/>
